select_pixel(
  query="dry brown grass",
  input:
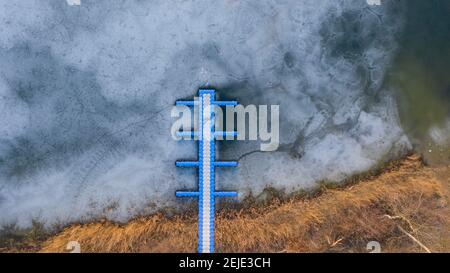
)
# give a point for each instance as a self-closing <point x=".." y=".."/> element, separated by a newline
<point x="406" y="199"/>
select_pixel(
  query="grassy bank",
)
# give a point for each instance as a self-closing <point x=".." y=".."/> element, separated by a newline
<point x="405" y="209"/>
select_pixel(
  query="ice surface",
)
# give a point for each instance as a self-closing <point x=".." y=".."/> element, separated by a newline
<point x="441" y="134"/>
<point x="86" y="92"/>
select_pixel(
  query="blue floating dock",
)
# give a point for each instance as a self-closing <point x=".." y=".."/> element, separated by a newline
<point x="206" y="164"/>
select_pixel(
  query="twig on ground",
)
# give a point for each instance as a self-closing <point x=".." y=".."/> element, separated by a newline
<point x="414" y="239"/>
<point x="407" y="233"/>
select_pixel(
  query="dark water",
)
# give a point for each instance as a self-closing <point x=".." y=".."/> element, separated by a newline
<point x="421" y="74"/>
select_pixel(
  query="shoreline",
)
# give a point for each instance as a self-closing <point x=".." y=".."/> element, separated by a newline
<point x="406" y="196"/>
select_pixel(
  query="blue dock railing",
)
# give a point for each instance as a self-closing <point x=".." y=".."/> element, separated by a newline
<point x="206" y="164"/>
